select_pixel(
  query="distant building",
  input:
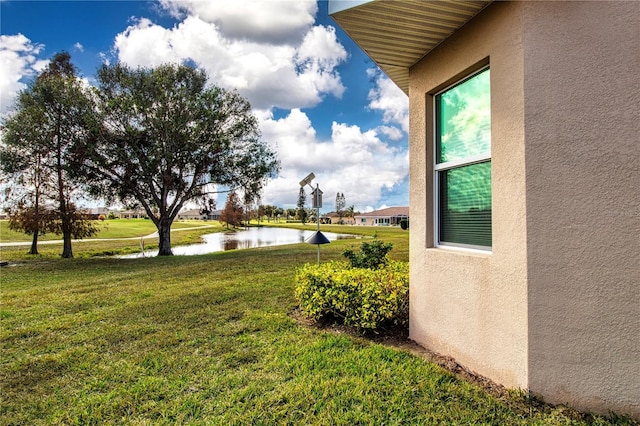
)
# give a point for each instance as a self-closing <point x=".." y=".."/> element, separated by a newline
<point x="96" y="212"/>
<point x="385" y="217"/>
<point x="191" y="214"/>
<point x="195" y="214"/>
<point x="131" y="214"/>
<point x="333" y="218"/>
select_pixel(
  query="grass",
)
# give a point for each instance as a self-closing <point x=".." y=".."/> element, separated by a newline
<point x="212" y="340"/>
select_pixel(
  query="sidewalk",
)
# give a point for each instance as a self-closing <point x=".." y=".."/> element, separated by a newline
<point x="154" y="235"/>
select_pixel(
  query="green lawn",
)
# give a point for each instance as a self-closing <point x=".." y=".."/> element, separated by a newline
<point x="212" y="340"/>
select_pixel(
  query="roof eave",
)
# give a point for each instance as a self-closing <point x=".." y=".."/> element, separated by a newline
<point x="398" y="34"/>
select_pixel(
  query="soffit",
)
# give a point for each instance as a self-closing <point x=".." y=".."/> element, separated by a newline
<point x="396" y="34"/>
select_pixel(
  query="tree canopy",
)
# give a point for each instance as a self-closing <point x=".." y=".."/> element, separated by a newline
<point x="163" y="136"/>
<point x="232" y="212"/>
<point x="301" y="213"/>
<point x="37" y="154"/>
<point x="340" y="205"/>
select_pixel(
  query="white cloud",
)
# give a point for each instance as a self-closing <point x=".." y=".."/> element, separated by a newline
<point x="79" y="47"/>
<point x="145" y="44"/>
<point x="269" y="75"/>
<point x="260" y="21"/>
<point x="388" y="98"/>
<point x="18" y="59"/>
<point x="358" y="163"/>
<point x="391" y="132"/>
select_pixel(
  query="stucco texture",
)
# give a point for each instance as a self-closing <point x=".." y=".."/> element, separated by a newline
<point x="472" y="306"/>
<point x="582" y="121"/>
<point x="554" y="307"/>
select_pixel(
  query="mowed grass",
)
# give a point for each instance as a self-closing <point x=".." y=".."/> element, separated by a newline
<point x="212" y="340"/>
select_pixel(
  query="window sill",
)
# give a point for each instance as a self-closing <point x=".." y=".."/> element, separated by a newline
<point x="465" y="250"/>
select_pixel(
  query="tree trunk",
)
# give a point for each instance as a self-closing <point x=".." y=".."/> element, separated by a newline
<point x="67" y="253"/>
<point x="34" y="243"/>
<point x="164" y="238"/>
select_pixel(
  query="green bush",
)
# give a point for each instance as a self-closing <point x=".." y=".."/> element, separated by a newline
<point x="372" y="255"/>
<point x="404" y="224"/>
<point x="367" y="299"/>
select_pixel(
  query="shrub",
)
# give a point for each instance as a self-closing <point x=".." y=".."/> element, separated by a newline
<point x="404" y="224"/>
<point x="367" y="299"/>
<point x="372" y="255"/>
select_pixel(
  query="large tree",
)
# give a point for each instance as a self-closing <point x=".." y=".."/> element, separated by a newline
<point x="51" y="118"/>
<point x="166" y="137"/>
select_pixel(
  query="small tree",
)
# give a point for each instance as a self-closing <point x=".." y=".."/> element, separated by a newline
<point x="278" y="212"/>
<point x="349" y="212"/>
<point x="340" y="204"/>
<point x="372" y="255"/>
<point x="33" y="220"/>
<point x="232" y="212"/>
<point x="266" y="211"/>
<point x="302" y="212"/>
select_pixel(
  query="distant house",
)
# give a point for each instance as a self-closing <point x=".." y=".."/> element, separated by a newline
<point x="385" y="217"/>
<point x="191" y="214"/>
<point x="334" y="219"/>
<point x="131" y="214"/>
<point x="195" y="214"/>
<point x="96" y="212"/>
<point x="214" y="215"/>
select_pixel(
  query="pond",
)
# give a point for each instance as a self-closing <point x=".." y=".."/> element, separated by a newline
<point x="243" y="239"/>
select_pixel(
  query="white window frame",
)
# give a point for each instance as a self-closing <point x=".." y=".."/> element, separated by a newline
<point x="437" y="168"/>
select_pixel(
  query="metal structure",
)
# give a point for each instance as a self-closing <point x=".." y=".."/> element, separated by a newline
<point x="318" y="237"/>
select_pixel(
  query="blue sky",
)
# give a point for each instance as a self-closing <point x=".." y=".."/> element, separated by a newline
<point x="321" y="102"/>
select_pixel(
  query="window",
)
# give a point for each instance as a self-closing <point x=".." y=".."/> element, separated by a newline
<point x="463" y="163"/>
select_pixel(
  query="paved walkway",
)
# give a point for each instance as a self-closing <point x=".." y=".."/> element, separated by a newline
<point x="154" y="235"/>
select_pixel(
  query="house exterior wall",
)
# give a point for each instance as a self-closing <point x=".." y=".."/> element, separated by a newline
<point x="554" y="307"/>
<point x="582" y="121"/>
<point x="473" y="306"/>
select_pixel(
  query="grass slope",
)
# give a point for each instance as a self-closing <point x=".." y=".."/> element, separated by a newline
<point x="210" y="340"/>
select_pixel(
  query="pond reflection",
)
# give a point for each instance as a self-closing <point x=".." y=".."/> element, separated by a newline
<point x="243" y="239"/>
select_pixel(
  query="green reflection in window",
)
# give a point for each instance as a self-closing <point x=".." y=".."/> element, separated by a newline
<point x="464" y="119"/>
<point x="465" y="205"/>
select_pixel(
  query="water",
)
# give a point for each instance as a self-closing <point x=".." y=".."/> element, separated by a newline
<point x="243" y="239"/>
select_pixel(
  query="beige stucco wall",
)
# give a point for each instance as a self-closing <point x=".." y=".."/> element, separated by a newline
<point x="582" y="120"/>
<point x="467" y="305"/>
<point x="555" y="307"/>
